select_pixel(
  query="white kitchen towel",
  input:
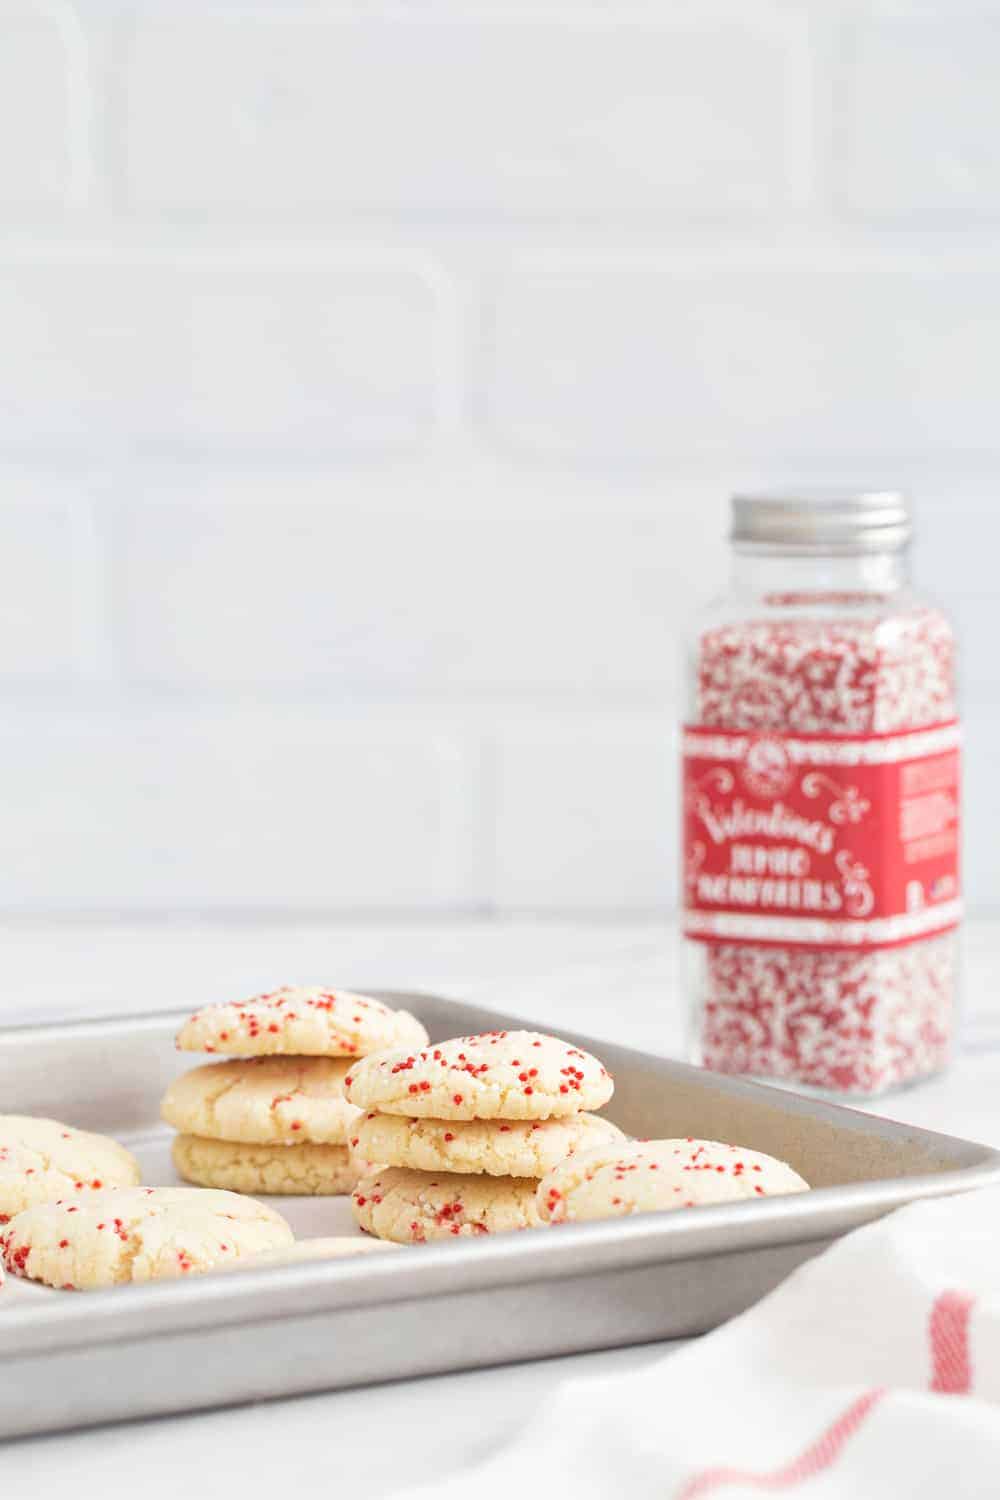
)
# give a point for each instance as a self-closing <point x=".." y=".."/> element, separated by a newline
<point x="873" y="1371"/>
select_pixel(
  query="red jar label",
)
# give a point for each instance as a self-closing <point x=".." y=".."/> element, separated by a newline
<point x="821" y="840"/>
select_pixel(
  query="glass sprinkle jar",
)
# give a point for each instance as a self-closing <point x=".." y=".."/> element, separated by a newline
<point x="821" y="804"/>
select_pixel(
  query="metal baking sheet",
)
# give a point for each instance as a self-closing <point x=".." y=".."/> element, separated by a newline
<point x="74" y="1359"/>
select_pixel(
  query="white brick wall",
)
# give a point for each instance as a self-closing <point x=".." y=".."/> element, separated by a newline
<point x="620" y="361"/>
<point x="44" y="111"/>
<point x="372" y="380"/>
<point x="920" y="145"/>
<point x="586" y="812"/>
<point x="361" y="585"/>
<point x="191" y="808"/>
<point x="235" y="349"/>
<point x="464" y="115"/>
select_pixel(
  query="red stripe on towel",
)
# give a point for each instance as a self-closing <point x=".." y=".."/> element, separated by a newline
<point x="811" y="1461"/>
<point x="951" y="1366"/>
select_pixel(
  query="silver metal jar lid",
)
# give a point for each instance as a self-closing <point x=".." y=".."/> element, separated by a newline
<point x="821" y="521"/>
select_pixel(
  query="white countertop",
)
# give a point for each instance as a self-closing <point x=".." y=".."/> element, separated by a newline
<point x="612" y="980"/>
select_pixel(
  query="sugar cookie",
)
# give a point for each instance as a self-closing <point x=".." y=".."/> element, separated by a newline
<point x="303" y="1022"/>
<point x="41" y="1160"/>
<point x="499" y="1075"/>
<point x="137" y="1234"/>
<point x="410" y="1207"/>
<point x="520" y="1148"/>
<point x="242" y="1168"/>
<point x="264" y="1100"/>
<point x="645" y="1176"/>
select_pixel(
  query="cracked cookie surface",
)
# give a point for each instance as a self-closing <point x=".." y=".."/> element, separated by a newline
<point x="300" y="1021"/>
<point x="411" y="1207"/>
<point x="650" y="1176"/>
<point x="264" y="1100"/>
<point x="242" y="1168"/>
<point x="518" y="1148"/>
<point x="497" y="1075"/>
<point x="137" y="1234"/>
<point x="41" y="1160"/>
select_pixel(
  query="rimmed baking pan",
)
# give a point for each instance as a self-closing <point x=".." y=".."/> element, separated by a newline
<point x="76" y="1359"/>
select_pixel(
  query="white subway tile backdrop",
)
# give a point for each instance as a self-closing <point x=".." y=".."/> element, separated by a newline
<point x="461" y="116"/>
<point x="44" y="110"/>
<point x="372" y="381"/>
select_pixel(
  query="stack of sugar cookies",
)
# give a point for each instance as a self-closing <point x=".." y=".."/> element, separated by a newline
<point x="274" y="1118"/>
<point x="468" y="1128"/>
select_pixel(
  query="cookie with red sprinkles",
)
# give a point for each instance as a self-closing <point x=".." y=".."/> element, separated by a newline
<point x="41" y="1160"/>
<point x="650" y="1176"/>
<point x="239" y="1167"/>
<point x="497" y="1075"/>
<point x="137" y="1234"/>
<point x="300" y="1021"/>
<point x="519" y="1148"/>
<point x="410" y="1207"/>
<point x="264" y="1100"/>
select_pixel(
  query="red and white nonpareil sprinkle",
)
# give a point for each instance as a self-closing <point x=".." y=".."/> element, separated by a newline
<point x="851" y="1017"/>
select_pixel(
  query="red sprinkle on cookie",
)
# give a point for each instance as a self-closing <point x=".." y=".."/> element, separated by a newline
<point x="410" y="1208"/>
<point x="651" y="1176"/>
<point x="497" y="1075"/>
<point x="302" y="1022"/>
